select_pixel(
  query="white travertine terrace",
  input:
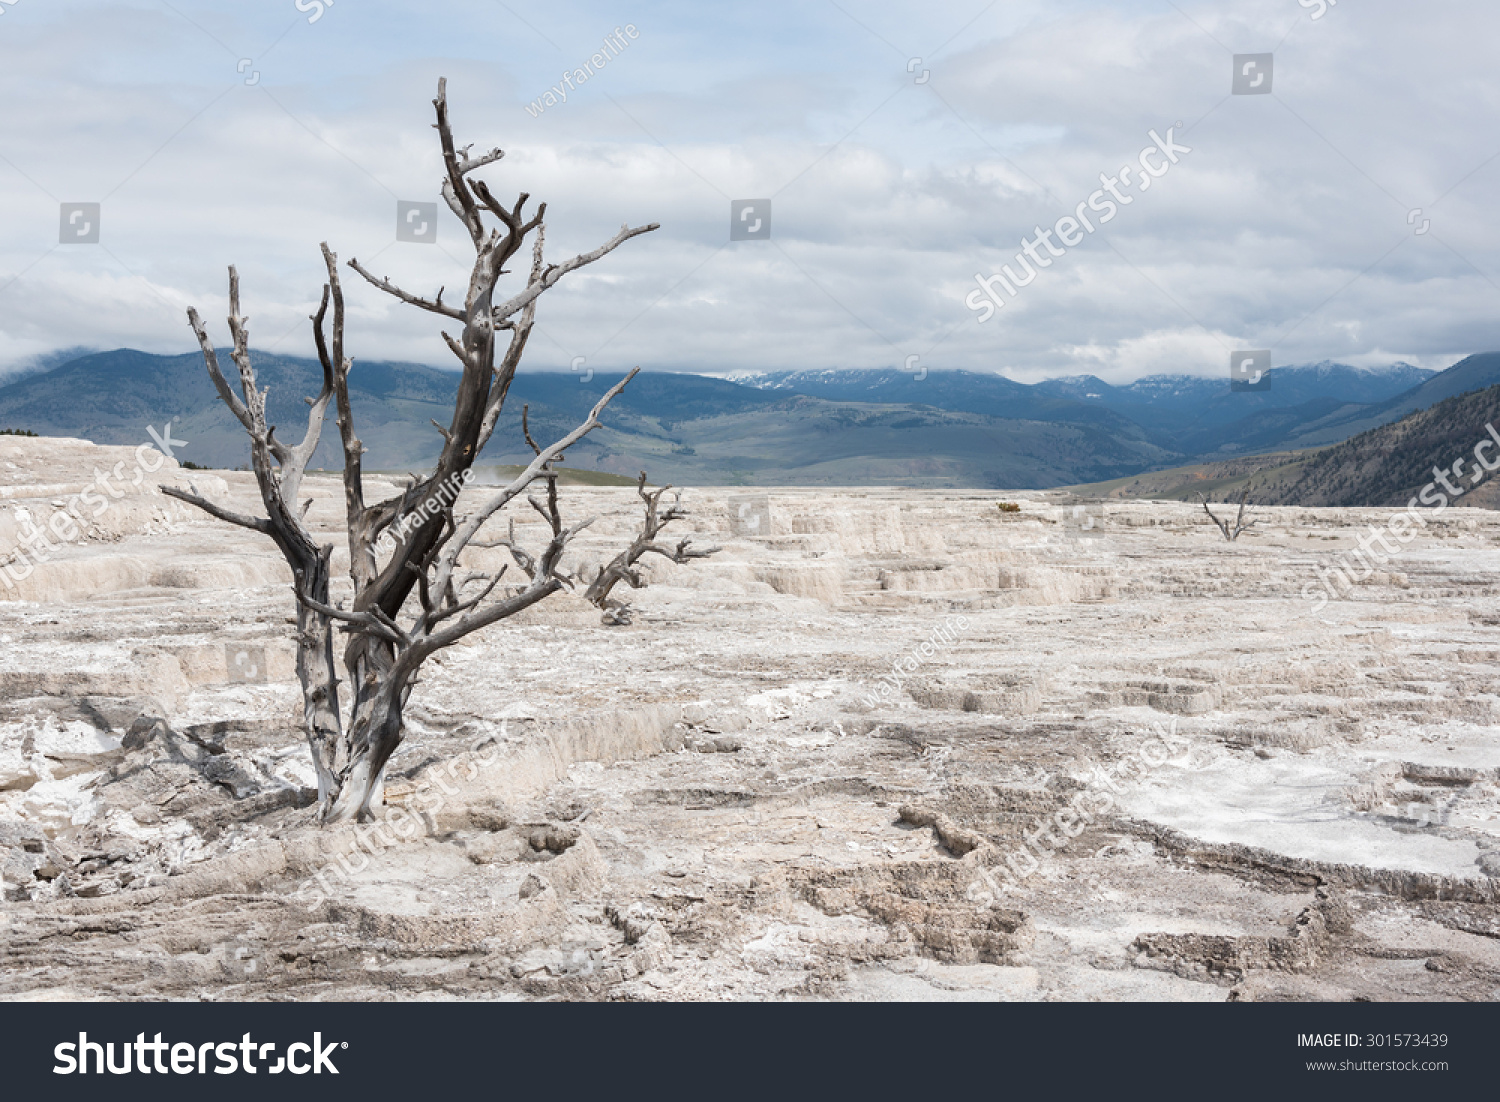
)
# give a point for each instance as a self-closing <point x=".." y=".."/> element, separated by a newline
<point x="708" y="804"/>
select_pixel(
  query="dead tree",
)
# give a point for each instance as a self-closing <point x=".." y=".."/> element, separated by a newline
<point x="622" y="568"/>
<point x="1240" y="523"/>
<point x="409" y="544"/>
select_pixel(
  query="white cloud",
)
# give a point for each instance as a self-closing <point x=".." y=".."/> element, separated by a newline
<point x="1286" y="227"/>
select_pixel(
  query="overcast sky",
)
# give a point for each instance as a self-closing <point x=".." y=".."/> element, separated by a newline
<point x="227" y="132"/>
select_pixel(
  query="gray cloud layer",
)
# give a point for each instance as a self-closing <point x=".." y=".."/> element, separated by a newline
<point x="1285" y="227"/>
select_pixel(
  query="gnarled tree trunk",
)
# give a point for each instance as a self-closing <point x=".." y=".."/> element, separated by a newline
<point x="1240" y="523"/>
<point x="622" y="568"/>
<point x="387" y="642"/>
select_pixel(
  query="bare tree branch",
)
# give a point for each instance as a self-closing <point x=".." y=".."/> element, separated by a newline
<point x="364" y="620"/>
<point x="432" y="306"/>
<point x="623" y="567"/>
<point x="1240" y="523"/>
<point x="468" y="164"/>
<point x="278" y="474"/>
<point x="521" y="333"/>
<point x="221" y="384"/>
<point x="192" y="497"/>
<point x="555" y="272"/>
<point x="387" y="639"/>
<point x="294" y="464"/>
<point x="534" y="469"/>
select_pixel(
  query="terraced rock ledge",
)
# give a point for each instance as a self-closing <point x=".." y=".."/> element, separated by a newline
<point x="1141" y="766"/>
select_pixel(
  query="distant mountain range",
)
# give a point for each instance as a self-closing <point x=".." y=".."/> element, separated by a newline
<point x="1184" y="414"/>
<point x="951" y="428"/>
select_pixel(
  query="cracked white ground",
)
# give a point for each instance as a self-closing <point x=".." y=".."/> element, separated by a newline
<point x="706" y="804"/>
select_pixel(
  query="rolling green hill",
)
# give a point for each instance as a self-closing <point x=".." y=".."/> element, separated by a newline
<point x="833" y="428"/>
<point x="1390" y="464"/>
<point x="1383" y="466"/>
<point x="685" y="429"/>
